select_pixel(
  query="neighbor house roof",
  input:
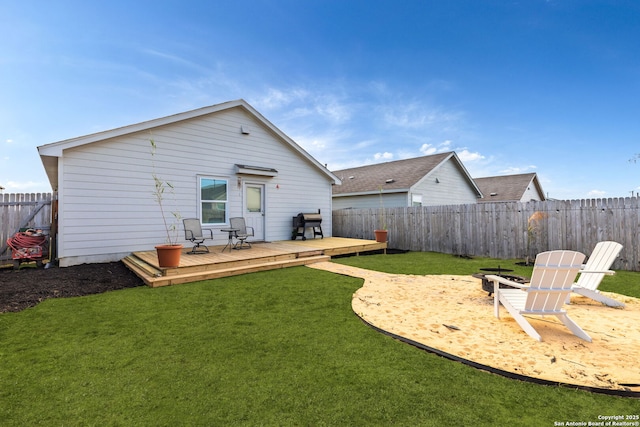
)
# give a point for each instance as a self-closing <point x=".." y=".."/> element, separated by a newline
<point x="508" y="188"/>
<point x="50" y="152"/>
<point x="395" y="176"/>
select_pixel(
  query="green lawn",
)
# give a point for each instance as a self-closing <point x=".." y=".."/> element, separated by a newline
<point x="273" y="348"/>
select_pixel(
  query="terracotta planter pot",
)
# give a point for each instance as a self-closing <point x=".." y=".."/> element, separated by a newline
<point x="381" y="235"/>
<point x="169" y="255"/>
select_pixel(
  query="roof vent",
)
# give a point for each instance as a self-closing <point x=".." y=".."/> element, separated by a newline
<point x="389" y="181"/>
<point x="351" y="177"/>
<point x="493" y="194"/>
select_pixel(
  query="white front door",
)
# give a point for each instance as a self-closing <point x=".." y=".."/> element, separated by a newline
<point x="254" y="209"/>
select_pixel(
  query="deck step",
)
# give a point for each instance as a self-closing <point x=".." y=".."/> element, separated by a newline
<point x="307" y="254"/>
<point x="158" y="281"/>
<point x="139" y="266"/>
<point x="230" y="264"/>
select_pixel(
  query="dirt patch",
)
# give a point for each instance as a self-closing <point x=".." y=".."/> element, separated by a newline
<point x="28" y="286"/>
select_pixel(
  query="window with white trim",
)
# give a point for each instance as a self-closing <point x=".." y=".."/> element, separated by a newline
<point x="214" y="200"/>
<point x="416" y="200"/>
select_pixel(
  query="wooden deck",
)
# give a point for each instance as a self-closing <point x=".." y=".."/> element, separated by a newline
<point x="261" y="257"/>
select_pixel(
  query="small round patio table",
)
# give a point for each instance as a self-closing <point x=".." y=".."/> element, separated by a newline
<point x="232" y="233"/>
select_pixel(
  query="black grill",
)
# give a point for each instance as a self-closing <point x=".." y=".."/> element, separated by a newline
<point x="302" y="221"/>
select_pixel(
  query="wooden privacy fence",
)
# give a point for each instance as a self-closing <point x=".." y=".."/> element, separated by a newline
<point x="504" y="230"/>
<point x="18" y="211"/>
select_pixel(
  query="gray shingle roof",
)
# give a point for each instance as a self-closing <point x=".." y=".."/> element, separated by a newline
<point x="404" y="174"/>
<point x="507" y="188"/>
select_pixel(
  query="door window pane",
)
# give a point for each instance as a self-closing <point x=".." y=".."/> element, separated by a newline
<point x="254" y="199"/>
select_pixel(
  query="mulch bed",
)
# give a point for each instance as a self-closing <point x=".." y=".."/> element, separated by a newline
<point x="28" y="286"/>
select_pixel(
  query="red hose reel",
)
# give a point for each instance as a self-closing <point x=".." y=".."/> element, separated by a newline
<point x="27" y="244"/>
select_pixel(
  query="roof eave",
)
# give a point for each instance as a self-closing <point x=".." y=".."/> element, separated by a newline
<point x="50" y="164"/>
<point x="371" y="193"/>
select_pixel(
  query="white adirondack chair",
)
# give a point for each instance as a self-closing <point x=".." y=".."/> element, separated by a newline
<point x="598" y="264"/>
<point x="553" y="274"/>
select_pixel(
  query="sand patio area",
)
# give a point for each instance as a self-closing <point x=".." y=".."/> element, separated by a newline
<point x="453" y="316"/>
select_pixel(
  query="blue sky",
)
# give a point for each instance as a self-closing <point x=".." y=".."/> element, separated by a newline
<point x="551" y="87"/>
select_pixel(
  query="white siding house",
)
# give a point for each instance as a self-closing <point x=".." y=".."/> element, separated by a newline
<point x="223" y="161"/>
<point x="439" y="179"/>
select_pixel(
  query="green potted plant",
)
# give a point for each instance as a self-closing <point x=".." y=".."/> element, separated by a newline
<point x="168" y="253"/>
<point x="381" y="232"/>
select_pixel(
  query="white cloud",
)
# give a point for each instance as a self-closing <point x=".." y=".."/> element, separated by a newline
<point x="383" y="156"/>
<point x="428" y="149"/>
<point x="9" y="141"/>
<point x="515" y="170"/>
<point x="467" y="156"/>
<point x="317" y="107"/>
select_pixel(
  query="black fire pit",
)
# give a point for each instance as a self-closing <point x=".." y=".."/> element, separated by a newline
<point x="487" y="285"/>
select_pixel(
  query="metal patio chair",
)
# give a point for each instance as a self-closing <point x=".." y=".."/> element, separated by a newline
<point x="194" y="233"/>
<point x="242" y="234"/>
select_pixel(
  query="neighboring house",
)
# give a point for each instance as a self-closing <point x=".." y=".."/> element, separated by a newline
<point x="439" y="179"/>
<point x="510" y="188"/>
<point x="223" y="161"/>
